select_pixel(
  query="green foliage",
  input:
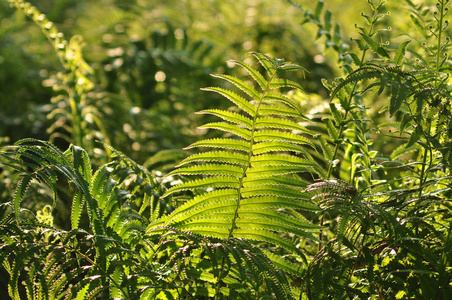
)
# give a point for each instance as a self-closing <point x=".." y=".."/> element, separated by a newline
<point x="253" y="187"/>
<point x="282" y="195"/>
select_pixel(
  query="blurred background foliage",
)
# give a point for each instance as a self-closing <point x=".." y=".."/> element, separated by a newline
<point x="150" y="59"/>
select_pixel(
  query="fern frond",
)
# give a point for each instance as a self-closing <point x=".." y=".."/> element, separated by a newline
<point x="272" y="190"/>
<point x="270" y="170"/>
<point x="266" y="62"/>
<point x="269" y="237"/>
<point x="20" y="192"/>
<point x="283" y="264"/>
<point x="244" y="86"/>
<point x="269" y="122"/>
<point x="229" y="116"/>
<point x="234" y="98"/>
<point x="218" y="181"/>
<point x="276" y="146"/>
<point x="293" y="110"/>
<point x="278" y="160"/>
<point x="356" y="76"/>
<point x="255" y="74"/>
<point x="274" y="135"/>
<point x="210" y="169"/>
<point x="77" y="208"/>
<point x="234" y="129"/>
<point x="224" y="143"/>
<point x="278" y="83"/>
<point x="251" y="189"/>
<point x="273" y="109"/>
<point x="283" y="181"/>
<point x="217" y="156"/>
<point x="268" y="202"/>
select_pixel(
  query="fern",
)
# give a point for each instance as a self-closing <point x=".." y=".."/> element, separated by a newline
<point x="247" y="189"/>
<point x="119" y="198"/>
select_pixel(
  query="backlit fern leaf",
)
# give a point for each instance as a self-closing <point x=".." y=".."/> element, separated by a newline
<point x="217" y="156"/>
<point x="248" y="189"/>
<point x="224" y="143"/>
<point x="358" y="75"/>
<point x="71" y="264"/>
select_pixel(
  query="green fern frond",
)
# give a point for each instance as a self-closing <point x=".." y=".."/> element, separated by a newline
<point x="244" y="86"/>
<point x="20" y="192"/>
<point x="210" y="169"/>
<point x="276" y="146"/>
<point x="227" y="127"/>
<point x="224" y="143"/>
<point x="274" y="135"/>
<point x="279" y="83"/>
<point x="273" y="109"/>
<point x="273" y="190"/>
<point x="267" y="236"/>
<point x="217" y="156"/>
<point x="250" y="188"/>
<point x="356" y="76"/>
<point x="283" y="264"/>
<point x="278" y="160"/>
<point x="234" y="98"/>
<point x="272" y="97"/>
<point x="270" y="122"/>
<point x="270" y="202"/>
<point x="267" y="62"/>
<point x="294" y="181"/>
<point x="230" y="117"/>
<point x="255" y="74"/>
<point x="209" y="182"/>
<point x="279" y="170"/>
<point x="197" y="203"/>
<point x="77" y="208"/>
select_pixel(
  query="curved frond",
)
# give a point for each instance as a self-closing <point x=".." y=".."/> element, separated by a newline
<point x="230" y="117"/>
<point x="217" y="156"/>
<point x="271" y="122"/>
<point x="235" y="98"/>
<point x="255" y="74"/>
<point x="276" y="146"/>
<point x="273" y="135"/>
<point x="251" y="188"/>
<point x="224" y="143"/>
<point x="244" y="86"/>
<point x="234" y="129"/>
<point x="210" y="169"/>
<point x="275" y="109"/>
<point x="208" y="182"/>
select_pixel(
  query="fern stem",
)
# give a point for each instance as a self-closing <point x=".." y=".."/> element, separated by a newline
<point x="250" y="154"/>
<point x="336" y="148"/>
<point x="440" y="32"/>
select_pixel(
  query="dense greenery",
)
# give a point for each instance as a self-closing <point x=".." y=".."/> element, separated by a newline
<point x="323" y="175"/>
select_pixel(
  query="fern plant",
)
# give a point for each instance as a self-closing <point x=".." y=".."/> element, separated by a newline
<point x="91" y="258"/>
<point x="258" y="197"/>
<point x="389" y="215"/>
<point x="251" y="185"/>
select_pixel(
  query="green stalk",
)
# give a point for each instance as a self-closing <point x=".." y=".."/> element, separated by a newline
<point x="250" y="154"/>
<point x="441" y="8"/>
<point x="440" y="33"/>
<point x="336" y="148"/>
<point x="343" y="126"/>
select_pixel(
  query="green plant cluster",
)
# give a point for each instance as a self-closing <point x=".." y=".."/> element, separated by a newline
<point x="288" y="191"/>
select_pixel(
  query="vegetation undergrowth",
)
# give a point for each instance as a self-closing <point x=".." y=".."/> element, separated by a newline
<point x="287" y="197"/>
